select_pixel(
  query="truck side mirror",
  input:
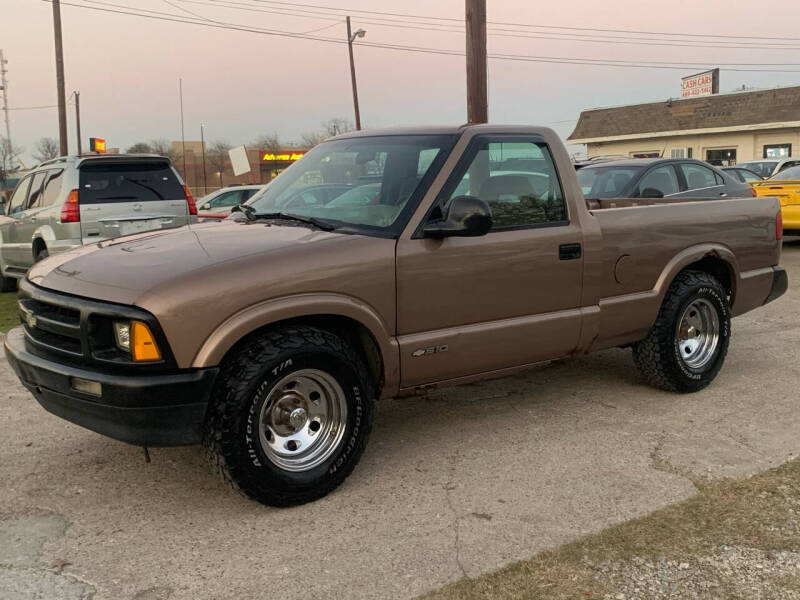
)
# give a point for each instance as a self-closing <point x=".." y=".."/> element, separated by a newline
<point x="466" y="216"/>
<point x="651" y="193"/>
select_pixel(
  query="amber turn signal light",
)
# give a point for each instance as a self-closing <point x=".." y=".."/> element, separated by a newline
<point x="143" y="344"/>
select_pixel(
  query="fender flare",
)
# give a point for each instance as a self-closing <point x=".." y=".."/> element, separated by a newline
<point x="691" y="255"/>
<point x="259" y="315"/>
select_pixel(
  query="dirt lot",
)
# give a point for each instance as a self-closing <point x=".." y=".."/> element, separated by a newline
<point x="461" y="483"/>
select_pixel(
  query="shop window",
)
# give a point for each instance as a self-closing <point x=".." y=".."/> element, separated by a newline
<point x="680" y="153"/>
<point x="724" y="157"/>
<point x="777" y="150"/>
<point x="645" y="155"/>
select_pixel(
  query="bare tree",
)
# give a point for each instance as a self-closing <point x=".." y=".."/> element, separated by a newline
<point x="217" y="156"/>
<point x="337" y="125"/>
<point x="313" y="138"/>
<point x="140" y="148"/>
<point x="163" y="147"/>
<point x="46" y="149"/>
<point x="271" y="143"/>
<point x="8" y="159"/>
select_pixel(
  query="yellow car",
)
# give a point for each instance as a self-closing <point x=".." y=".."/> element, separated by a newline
<point x="786" y="187"/>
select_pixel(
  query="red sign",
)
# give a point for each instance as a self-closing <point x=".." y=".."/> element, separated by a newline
<point x="700" y="84"/>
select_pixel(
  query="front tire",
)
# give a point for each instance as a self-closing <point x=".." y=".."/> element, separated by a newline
<point x="686" y="347"/>
<point x="290" y="416"/>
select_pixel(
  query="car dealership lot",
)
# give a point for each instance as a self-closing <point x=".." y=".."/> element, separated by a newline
<point x="461" y="482"/>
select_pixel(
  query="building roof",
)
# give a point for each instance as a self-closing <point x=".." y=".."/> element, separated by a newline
<point x="763" y="109"/>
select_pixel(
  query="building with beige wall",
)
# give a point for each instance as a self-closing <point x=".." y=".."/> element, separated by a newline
<point x="722" y="129"/>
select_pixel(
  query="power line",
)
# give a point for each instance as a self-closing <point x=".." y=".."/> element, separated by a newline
<point x="508" y="57"/>
<point x="504" y="32"/>
<point x="568" y="28"/>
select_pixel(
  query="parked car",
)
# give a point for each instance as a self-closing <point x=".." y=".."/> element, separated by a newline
<point x="768" y="167"/>
<point x="218" y="204"/>
<point x="742" y="174"/>
<point x="67" y="202"/>
<point x="786" y="187"/>
<point x="269" y="339"/>
<point x="659" y="178"/>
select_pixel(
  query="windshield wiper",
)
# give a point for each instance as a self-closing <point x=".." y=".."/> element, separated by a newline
<point x="320" y="223"/>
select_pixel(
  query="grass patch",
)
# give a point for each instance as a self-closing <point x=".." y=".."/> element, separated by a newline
<point x="761" y="513"/>
<point x="9" y="313"/>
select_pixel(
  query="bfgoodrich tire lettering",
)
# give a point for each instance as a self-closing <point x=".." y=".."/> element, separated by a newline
<point x="695" y="308"/>
<point x="246" y="420"/>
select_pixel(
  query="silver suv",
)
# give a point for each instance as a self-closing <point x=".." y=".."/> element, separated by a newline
<point x="68" y="202"/>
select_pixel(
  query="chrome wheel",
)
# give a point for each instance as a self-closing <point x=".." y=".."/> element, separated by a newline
<point x="302" y="420"/>
<point x="698" y="334"/>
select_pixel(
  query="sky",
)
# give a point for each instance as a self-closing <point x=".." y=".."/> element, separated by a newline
<point x="242" y="84"/>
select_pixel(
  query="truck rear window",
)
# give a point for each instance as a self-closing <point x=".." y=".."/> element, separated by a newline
<point x="135" y="182"/>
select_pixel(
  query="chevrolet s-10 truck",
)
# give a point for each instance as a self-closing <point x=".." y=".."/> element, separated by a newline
<point x="417" y="258"/>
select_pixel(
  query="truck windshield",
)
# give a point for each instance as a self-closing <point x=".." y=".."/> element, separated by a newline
<point x="365" y="183"/>
<point x="606" y="182"/>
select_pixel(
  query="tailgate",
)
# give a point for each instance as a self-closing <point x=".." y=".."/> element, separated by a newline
<point x="787" y="191"/>
<point x="121" y="197"/>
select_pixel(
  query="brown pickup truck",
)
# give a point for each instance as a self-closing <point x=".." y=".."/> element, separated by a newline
<point x="382" y="263"/>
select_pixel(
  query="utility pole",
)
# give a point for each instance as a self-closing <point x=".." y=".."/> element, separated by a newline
<point x="62" y="100"/>
<point x="477" y="103"/>
<point x="350" y="39"/>
<point x="4" y="83"/>
<point x="78" y="119"/>
<point x="203" y="148"/>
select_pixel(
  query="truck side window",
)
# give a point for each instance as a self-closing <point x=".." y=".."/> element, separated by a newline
<point x="519" y="182"/>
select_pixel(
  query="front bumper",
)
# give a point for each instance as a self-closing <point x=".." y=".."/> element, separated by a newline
<point x="145" y="410"/>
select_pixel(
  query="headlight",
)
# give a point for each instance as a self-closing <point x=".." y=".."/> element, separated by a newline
<point x="136" y="338"/>
<point x="122" y="332"/>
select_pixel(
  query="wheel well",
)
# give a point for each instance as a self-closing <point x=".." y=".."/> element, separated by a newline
<point x="348" y="329"/>
<point x="718" y="268"/>
<point x="38" y="244"/>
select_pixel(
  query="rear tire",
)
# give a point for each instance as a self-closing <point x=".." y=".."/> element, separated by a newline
<point x="686" y="347"/>
<point x="290" y="415"/>
<point x="41" y="255"/>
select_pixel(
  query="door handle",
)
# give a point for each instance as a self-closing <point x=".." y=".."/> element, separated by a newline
<point x="33" y="219"/>
<point x="569" y="251"/>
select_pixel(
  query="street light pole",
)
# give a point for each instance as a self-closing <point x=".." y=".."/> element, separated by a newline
<point x="62" y="99"/>
<point x="350" y="39"/>
<point x="203" y="148"/>
<point x="78" y="119"/>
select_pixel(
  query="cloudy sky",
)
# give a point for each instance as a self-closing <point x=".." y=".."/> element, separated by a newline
<point x="241" y="84"/>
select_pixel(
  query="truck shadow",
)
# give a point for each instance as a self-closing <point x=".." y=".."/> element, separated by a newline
<point x="605" y="381"/>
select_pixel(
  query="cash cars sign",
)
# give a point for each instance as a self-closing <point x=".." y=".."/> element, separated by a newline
<point x="700" y="84"/>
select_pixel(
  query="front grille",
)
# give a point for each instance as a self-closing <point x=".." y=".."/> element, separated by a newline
<point x="51" y="327"/>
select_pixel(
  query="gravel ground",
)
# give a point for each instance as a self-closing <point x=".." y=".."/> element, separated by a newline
<point x="753" y="573"/>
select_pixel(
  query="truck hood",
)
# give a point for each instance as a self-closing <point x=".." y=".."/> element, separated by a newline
<point x="123" y="269"/>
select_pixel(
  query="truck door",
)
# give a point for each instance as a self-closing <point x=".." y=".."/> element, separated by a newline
<point x="467" y="305"/>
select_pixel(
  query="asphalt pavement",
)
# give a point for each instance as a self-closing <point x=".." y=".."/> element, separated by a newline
<point x="459" y="483"/>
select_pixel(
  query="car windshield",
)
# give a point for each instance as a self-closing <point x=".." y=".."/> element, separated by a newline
<point x="361" y="182"/>
<point x="790" y="173"/>
<point x="762" y="167"/>
<point x="606" y="182"/>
